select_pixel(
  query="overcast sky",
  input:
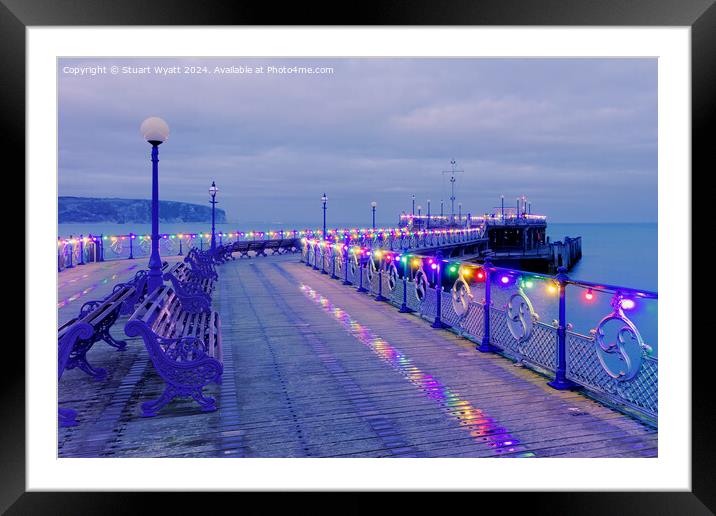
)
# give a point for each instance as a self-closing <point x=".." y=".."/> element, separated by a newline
<point x="578" y="137"/>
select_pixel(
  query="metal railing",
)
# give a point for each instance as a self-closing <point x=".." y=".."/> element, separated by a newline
<point x="79" y="250"/>
<point x="520" y="315"/>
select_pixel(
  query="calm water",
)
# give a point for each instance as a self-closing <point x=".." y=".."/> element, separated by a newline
<point x="617" y="254"/>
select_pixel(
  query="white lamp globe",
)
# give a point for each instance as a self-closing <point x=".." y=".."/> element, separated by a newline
<point x="154" y="130"/>
<point x="374" y="204"/>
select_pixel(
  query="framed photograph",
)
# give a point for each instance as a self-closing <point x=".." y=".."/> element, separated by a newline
<point x="385" y="256"/>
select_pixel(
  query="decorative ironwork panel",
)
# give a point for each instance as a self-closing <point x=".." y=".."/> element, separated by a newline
<point x="500" y="334"/>
<point x="448" y="315"/>
<point x="352" y="269"/>
<point x="584" y="367"/>
<point x="428" y="308"/>
<point x="520" y="316"/>
<point x="460" y="297"/>
<point x="396" y="295"/>
<point x="339" y="264"/>
<point x="413" y="301"/>
<point x="541" y="348"/>
<point x="373" y="278"/>
<point x="474" y="321"/>
<point x="387" y="283"/>
<point x="393" y="278"/>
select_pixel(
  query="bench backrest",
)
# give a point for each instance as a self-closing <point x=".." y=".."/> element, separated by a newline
<point x="163" y="314"/>
<point x="96" y="315"/>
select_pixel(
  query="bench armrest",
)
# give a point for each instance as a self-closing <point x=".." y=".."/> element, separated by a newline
<point x="185" y="349"/>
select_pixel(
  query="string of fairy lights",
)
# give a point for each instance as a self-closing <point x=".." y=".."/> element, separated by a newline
<point x="273" y="234"/>
<point x="473" y="273"/>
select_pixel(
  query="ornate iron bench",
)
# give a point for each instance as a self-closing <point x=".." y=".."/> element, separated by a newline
<point x="139" y="282"/>
<point x="184" y="348"/>
<point x="65" y="344"/>
<point x="259" y="248"/>
<point x="288" y="245"/>
<point x="202" y="264"/>
<point x="274" y="246"/>
<point x="100" y="316"/>
<point x="242" y="248"/>
<point x="222" y="254"/>
<point x="194" y="292"/>
<point x="77" y="336"/>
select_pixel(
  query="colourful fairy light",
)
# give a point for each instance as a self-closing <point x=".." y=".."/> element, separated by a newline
<point x="627" y="304"/>
<point x="589" y="295"/>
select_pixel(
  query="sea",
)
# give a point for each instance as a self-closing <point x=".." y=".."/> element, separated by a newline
<point x="615" y="254"/>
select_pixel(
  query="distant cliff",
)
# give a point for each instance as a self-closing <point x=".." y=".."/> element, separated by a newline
<point x="90" y="209"/>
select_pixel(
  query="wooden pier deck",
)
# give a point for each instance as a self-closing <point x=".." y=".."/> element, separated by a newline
<point x="314" y="369"/>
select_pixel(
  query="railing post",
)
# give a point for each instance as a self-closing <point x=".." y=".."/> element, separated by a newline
<point x="90" y="242"/>
<point x="361" y="262"/>
<point x="485" y="346"/>
<point x="131" y="246"/>
<point x="560" y="381"/>
<point x="101" y="247"/>
<point x="315" y="256"/>
<point x="180" y="246"/>
<point x="59" y="252"/>
<point x="404" y="309"/>
<point x="333" y="262"/>
<point x="380" y="296"/>
<point x="82" y="251"/>
<point x="72" y="250"/>
<point x="345" y="262"/>
<point x="308" y="253"/>
<point x="438" y="323"/>
<point x="323" y="259"/>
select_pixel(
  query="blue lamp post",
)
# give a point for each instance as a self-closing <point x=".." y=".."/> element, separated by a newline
<point x="373" y="205"/>
<point x="155" y="131"/>
<point x="428" y="213"/>
<point x="212" y="191"/>
<point x="324" y="200"/>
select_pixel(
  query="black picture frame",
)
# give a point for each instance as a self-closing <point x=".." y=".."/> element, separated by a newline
<point x="700" y="15"/>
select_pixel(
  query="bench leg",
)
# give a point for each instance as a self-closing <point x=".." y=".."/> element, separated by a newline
<point x="150" y="408"/>
<point x="80" y="360"/>
<point x="67" y="417"/>
<point x="119" y="344"/>
<point x="207" y="404"/>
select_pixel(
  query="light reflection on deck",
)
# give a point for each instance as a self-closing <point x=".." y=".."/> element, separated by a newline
<point x="481" y="427"/>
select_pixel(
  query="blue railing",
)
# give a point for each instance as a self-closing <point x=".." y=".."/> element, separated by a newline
<point x="519" y="314"/>
<point x="78" y="250"/>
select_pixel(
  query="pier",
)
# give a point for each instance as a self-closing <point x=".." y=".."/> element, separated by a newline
<point x="385" y="354"/>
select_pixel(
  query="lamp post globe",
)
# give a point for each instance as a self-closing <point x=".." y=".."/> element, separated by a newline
<point x="213" y="191"/>
<point x="155" y="131"/>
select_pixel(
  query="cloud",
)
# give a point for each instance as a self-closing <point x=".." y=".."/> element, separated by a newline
<point x="376" y="129"/>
